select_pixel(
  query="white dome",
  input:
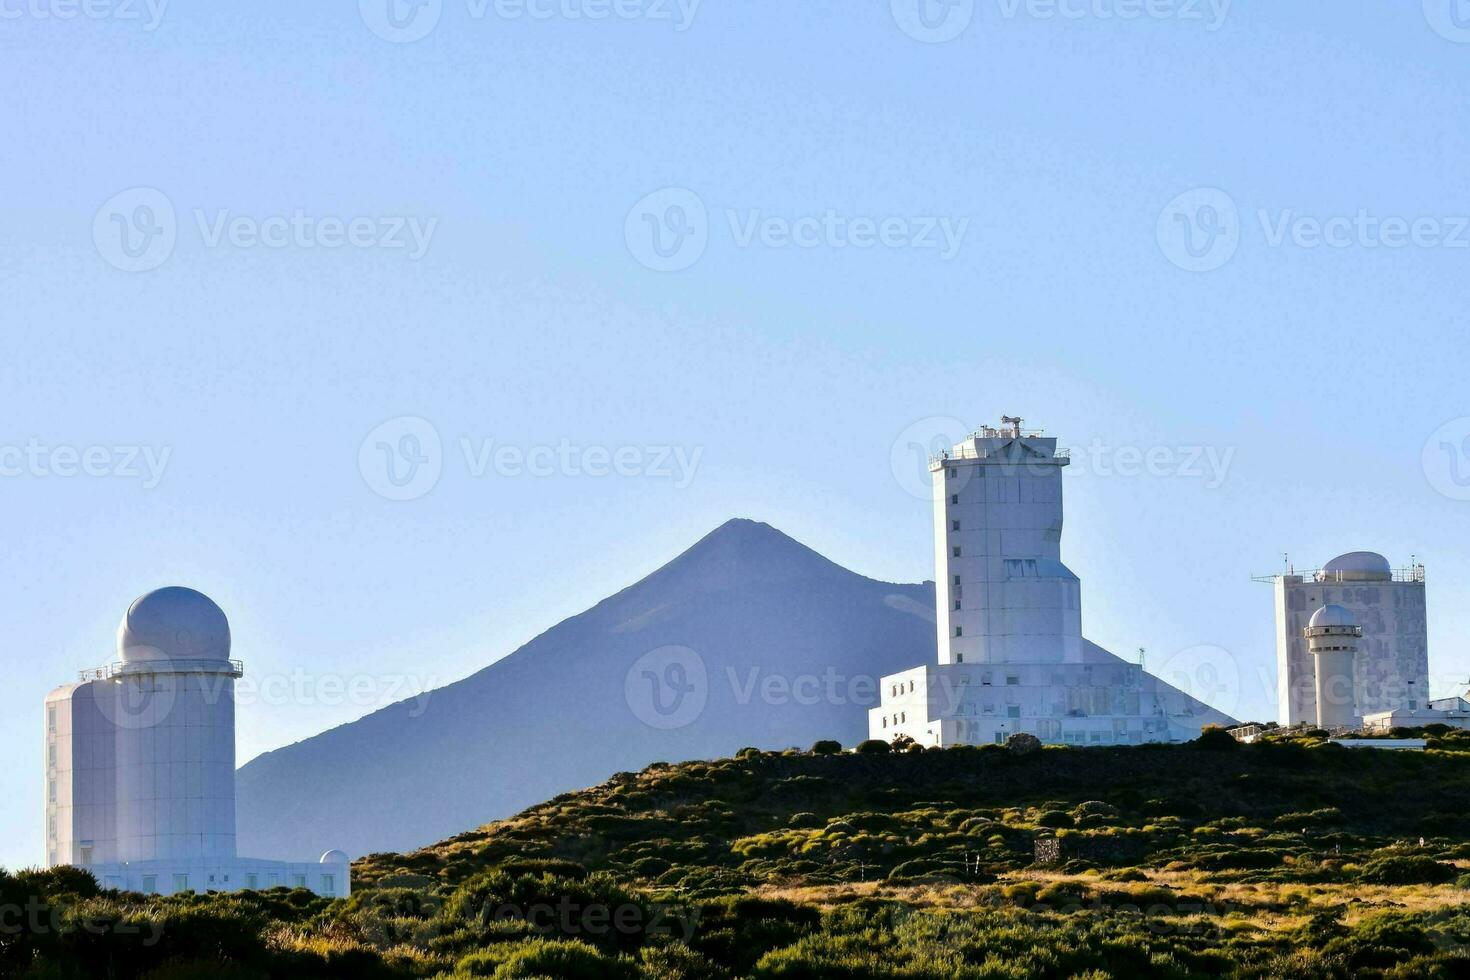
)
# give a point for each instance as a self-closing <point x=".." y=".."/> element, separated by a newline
<point x="173" y="623"/>
<point x="1357" y="566"/>
<point x="334" y="856"/>
<point x="1332" y="615"/>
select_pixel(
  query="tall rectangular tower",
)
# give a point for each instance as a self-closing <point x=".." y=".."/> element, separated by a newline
<point x="1004" y="594"/>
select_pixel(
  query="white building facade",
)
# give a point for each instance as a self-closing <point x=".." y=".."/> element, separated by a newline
<point x="140" y="762"/>
<point x="1012" y="657"/>
<point x="1391" y="669"/>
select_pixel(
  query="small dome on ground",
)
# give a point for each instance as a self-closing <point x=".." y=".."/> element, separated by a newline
<point x="334" y="856"/>
<point x="1357" y="566"/>
<point x="1332" y="615"/>
<point x="173" y="623"/>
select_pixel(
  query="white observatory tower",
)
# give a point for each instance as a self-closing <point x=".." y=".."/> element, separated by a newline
<point x="1332" y="636"/>
<point x="175" y="737"/>
<point x="140" y="761"/>
<point x="1012" y="657"/>
<point x="998" y="551"/>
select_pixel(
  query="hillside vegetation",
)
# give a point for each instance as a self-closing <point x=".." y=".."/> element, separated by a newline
<point x="1288" y="858"/>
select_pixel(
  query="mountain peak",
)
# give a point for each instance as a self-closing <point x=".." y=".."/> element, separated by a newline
<point x="742" y="551"/>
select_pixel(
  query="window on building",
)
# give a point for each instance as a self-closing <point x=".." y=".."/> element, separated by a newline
<point x="954" y="498"/>
<point x="959" y="631"/>
<point x="959" y="658"/>
<point x="51" y="755"/>
<point x="51" y="720"/>
<point x="85" y="853"/>
<point x="956" y="580"/>
<point x="954" y="525"/>
<point x="1000" y="738"/>
<point x="952" y="472"/>
<point x="1013" y="711"/>
<point x="252" y="882"/>
<point x="275" y="880"/>
<point x="181" y="883"/>
<point x="885" y="721"/>
<point x="911" y="686"/>
<point x="150" y="884"/>
<point x="50" y="791"/>
<point x="956" y="551"/>
<point x="51" y="826"/>
<point x="1012" y="680"/>
<point x="329" y="884"/>
<point x="298" y="881"/>
<point x="957" y="604"/>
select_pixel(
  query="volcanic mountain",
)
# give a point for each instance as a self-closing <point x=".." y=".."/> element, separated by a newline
<point x="747" y="638"/>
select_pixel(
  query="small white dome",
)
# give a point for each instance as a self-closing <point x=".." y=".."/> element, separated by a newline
<point x="173" y="623"/>
<point x="1332" y="615"/>
<point x="1357" y="566"/>
<point x="334" y="856"/>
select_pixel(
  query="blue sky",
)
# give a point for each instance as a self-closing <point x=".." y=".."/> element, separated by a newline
<point x="801" y="163"/>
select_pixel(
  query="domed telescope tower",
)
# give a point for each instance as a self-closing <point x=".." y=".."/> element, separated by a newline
<point x="1332" y="636"/>
<point x="1391" y="670"/>
<point x="140" y="762"/>
<point x="175" y="742"/>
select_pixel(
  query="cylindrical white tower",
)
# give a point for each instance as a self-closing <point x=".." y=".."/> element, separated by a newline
<point x="174" y="716"/>
<point x="1332" y="636"/>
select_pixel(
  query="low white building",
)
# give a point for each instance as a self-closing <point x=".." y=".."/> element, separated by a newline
<point x="1454" y="712"/>
<point x="1012" y="657"/>
<point x="140" y="762"/>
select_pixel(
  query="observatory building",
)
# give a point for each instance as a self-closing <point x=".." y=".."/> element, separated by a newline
<point x="1012" y="657"/>
<point x="1391" y="669"/>
<point x="140" y="762"/>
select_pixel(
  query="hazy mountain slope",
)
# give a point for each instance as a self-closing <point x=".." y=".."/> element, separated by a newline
<point x="749" y="601"/>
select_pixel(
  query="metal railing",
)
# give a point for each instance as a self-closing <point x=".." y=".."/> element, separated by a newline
<point x="939" y="459"/>
<point x="1412" y="573"/>
<point x="235" y="668"/>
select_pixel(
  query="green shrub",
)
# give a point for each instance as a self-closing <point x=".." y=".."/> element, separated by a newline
<point x="562" y="959"/>
<point x="826" y="746"/>
<point x="1054" y="818"/>
<point x="1215" y="739"/>
<point x="1406" y="870"/>
<point x="873" y="746"/>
